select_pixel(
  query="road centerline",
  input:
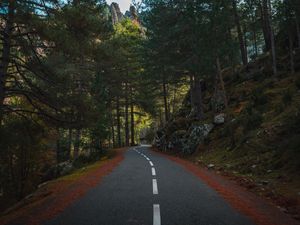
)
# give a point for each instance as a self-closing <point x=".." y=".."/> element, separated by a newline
<point x="156" y="215"/>
<point x="154" y="184"/>
<point x="153" y="171"/>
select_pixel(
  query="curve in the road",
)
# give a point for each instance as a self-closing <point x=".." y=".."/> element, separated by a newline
<point x="156" y="207"/>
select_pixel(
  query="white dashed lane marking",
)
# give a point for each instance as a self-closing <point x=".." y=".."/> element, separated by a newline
<point x="156" y="215"/>
<point x="156" y="208"/>
<point x="153" y="171"/>
<point x="154" y="184"/>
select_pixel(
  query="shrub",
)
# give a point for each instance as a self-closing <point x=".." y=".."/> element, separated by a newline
<point x="279" y="108"/>
<point x="297" y="83"/>
<point x="254" y="121"/>
<point x="287" y="98"/>
<point x="251" y="119"/>
<point x="84" y="160"/>
<point x="258" y="76"/>
<point x="258" y="97"/>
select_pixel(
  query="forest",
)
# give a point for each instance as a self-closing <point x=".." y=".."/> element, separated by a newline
<point x="78" y="78"/>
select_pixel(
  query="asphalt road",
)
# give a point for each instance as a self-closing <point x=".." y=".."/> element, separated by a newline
<point x="148" y="189"/>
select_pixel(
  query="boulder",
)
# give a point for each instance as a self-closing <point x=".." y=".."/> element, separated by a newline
<point x="196" y="137"/>
<point x="58" y="170"/>
<point x="210" y="166"/>
<point x="178" y="137"/>
<point x="65" y="168"/>
<point x="219" y="119"/>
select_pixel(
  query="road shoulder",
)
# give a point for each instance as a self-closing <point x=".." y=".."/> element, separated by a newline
<point x="53" y="197"/>
<point x="257" y="209"/>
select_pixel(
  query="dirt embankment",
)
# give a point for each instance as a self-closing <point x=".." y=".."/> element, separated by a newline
<point x="53" y="197"/>
<point x="261" y="211"/>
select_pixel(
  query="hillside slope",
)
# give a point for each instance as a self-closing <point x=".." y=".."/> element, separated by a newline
<point x="256" y="139"/>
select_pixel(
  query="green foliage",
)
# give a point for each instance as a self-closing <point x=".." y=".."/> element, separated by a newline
<point x="297" y="83"/>
<point x="258" y="97"/>
<point x="84" y="160"/>
<point x="22" y="145"/>
<point x="251" y="119"/>
<point x="287" y="97"/>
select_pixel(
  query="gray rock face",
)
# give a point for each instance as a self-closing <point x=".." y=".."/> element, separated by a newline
<point x="115" y="13"/>
<point x="196" y="137"/>
<point x="133" y="13"/>
<point x="186" y="141"/>
<point x="58" y="170"/>
<point x="65" y="168"/>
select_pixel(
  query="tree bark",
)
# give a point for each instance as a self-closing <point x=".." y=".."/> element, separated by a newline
<point x="4" y="62"/>
<point x="197" y="95"/>
<point x="118" y="122"/>
<point x="255" y="39"/>
<point x="112" y="130"/>
<point x="76" y="143"/>
<point x="165" y="94"/>
<point x="243" y="48"/>
<point x="245" y="41"/>
<point x="126" y="115"/>
<point x="174" y="100"/>
<point x="298" y="29"/>
<point x="265" y="24"/>
<point x="68" y="154"/>
<point x="132" y="123"/>
<point x="161" y="118"/>
<point x="273" y="50"/>
<point x="58" y="147"/>
<point x="291" y="50"/>
<point x="23" y="173"/>
<point x="191" y="90"/>
<point x="220" y="79"/>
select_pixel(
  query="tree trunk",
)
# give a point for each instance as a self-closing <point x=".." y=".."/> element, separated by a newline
<point x="298" y="29"/>
<point x="197" y="95"/>
<point x="240" y="34"/>
<point x="220" y="78"/>
<point x="113" y="130"/>
<point x="161" y="118"/>
<point x="23" y="172"/>
<point x="174" y="100"/>
<point x="132" y="123"/>
<point x="273" y="51"/>
<point x="265" y="24"/>
<point x="6" y="46"/>
<point x="291" y="50"/>
<point x="165" y="94"/>
<point x="126" y="115"/>
<point x="118" y="122"/>
<point x="68" y="154"/>
<point x="58" y="147"/>
<point x="245" y="42"/>
<point x="191" y="90"/>
<point x="76" y="143"/>
<point x="255" y="39"/>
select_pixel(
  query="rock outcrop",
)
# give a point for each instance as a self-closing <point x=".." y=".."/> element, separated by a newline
<point x="116" y="13"/>
<point x="183" y="139"/>
<point x="219" y="119"/>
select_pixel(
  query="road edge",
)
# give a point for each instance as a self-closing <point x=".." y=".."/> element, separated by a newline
<point x="257" y="209"/>
<point x="36" y="212"/>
